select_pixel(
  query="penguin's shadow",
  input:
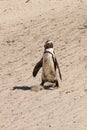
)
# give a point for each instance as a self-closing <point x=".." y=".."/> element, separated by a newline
<point x="25" y="88"/>
<point x="22" y="88"/>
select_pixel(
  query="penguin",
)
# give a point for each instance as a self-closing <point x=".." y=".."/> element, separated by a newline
<point x="49" y="65"/>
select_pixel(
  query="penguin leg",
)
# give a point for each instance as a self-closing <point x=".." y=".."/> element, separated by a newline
<point x="56" y="83"/>
<point x="42" y="83"/>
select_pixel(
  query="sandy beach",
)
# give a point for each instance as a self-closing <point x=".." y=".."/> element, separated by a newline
<point x="24" y="28"/>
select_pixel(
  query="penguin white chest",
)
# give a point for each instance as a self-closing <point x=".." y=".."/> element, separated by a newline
<point x="48" y="70"/>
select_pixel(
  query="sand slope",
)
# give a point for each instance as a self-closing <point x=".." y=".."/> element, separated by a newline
<point x="24" y="27"/>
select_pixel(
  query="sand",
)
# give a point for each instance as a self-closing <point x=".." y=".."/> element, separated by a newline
<point x="24" y="27"/>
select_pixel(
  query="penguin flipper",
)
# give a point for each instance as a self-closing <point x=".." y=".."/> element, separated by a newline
<point x="56" y="62"/>
<point x="37" y="67"/>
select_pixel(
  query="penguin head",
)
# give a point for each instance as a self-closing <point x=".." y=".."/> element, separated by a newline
<point x="48" y="44"/>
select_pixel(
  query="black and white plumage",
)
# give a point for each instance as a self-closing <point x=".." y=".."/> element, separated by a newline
<point x="49" y="65"/>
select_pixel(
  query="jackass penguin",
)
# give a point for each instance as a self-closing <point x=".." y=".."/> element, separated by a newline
<point x="49" y="65"/>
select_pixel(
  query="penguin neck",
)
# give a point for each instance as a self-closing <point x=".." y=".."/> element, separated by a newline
<point x="50" y="50"/>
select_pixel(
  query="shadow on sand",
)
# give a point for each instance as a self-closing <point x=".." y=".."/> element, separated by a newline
<point x="33" y="88"/>
<point x="22" y="88"/>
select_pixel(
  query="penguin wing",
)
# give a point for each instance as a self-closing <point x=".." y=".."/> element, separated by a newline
<point x="37" y="67"/>
<point x="56" y="63"/>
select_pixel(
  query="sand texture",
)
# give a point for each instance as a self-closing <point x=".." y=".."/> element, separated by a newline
<point x="24" y="27"/>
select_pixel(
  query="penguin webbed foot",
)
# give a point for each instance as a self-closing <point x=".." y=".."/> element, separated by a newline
<point x="55" y="84"/>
